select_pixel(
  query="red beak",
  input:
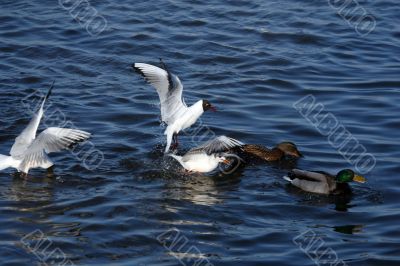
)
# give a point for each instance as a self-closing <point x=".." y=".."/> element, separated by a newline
<point x="213" y="108"/>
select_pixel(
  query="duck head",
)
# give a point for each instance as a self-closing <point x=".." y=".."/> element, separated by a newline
<point x="289" y="148"/>
<point x="348" y="175"/>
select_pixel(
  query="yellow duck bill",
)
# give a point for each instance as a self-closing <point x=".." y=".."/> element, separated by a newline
<point x="359" y="179"/>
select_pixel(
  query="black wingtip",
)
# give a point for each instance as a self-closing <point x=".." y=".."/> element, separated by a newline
<point x="170" y="81"/>
<point x="138" y="70"/>
<point x="134" y="68"/>
<point x="163" y="65"/>
<point x="50" y="90"/>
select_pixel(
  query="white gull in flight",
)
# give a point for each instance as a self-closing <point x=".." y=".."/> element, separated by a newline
<point x="174" y="111"/>
<point x="30" y="151"/>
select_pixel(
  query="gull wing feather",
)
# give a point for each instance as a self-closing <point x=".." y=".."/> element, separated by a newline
<point x="217" y="145"/>
<point x="26" y="137"/>
<point x="169" y="89"/>
<point x="52" y="139"/>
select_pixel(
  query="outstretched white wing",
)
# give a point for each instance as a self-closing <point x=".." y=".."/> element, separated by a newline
<point x="52" y="139"/>
<point x="169" y="89"/>
<point x="217" y="145"/>
<point x="26" y="137"/>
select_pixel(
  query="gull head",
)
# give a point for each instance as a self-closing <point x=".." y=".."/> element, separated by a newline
<point x="208" y="106"/>
<point x="222" y="159"/>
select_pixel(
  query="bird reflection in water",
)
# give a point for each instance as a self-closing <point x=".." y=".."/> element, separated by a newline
<point x="202" y="189"/>
<point x="341" y="202"/>
<point x="348" y="229"/>
<point x="31" y="190"/>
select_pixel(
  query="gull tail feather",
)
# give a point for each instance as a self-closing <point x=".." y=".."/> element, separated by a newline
<point x="5" y="161"/>
<point x="170" y="133"/>
<point x="287" y="178"/>
<point x="176" y="157"/>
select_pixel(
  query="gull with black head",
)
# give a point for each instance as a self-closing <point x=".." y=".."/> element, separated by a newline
<point x="174" y="111"/>
<point x="206" y="157"/>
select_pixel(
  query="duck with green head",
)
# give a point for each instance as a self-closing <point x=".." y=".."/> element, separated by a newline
<point x="323" y="183"/>
<point x="281" y="150"/>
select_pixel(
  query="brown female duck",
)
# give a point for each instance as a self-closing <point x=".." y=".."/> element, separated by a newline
<point x="277" y="153"/>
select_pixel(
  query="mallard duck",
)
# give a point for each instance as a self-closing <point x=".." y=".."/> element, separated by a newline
<point x="281" y="150"/>
<point x="206" y="157"/>
<point x="323" y="183"/>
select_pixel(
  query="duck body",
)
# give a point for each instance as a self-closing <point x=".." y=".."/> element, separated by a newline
<point x="321" y="182"/>
<point x="251" y="152"/>
<point x="262" y="152"/>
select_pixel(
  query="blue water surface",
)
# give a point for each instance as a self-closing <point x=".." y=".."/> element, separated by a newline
<point x="253" y="60"/>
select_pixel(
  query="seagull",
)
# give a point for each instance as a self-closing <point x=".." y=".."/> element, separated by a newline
<point x="206" y="157"/>
<point x="30" y="151"/>
<point x="174" y="111"/>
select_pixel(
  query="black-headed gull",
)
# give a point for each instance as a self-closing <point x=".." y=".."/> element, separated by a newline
<point x="174" y="111"/>
<point x="206" y="157"/>
<point x="30" y="151"/>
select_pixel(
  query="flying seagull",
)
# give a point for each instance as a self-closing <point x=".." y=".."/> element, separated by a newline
<point x="174" y="111"/>
<point x="206" y="157"/>
<point x="30" y="151"/>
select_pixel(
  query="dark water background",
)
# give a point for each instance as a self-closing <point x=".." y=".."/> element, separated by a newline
<point x="253" y="60"/>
